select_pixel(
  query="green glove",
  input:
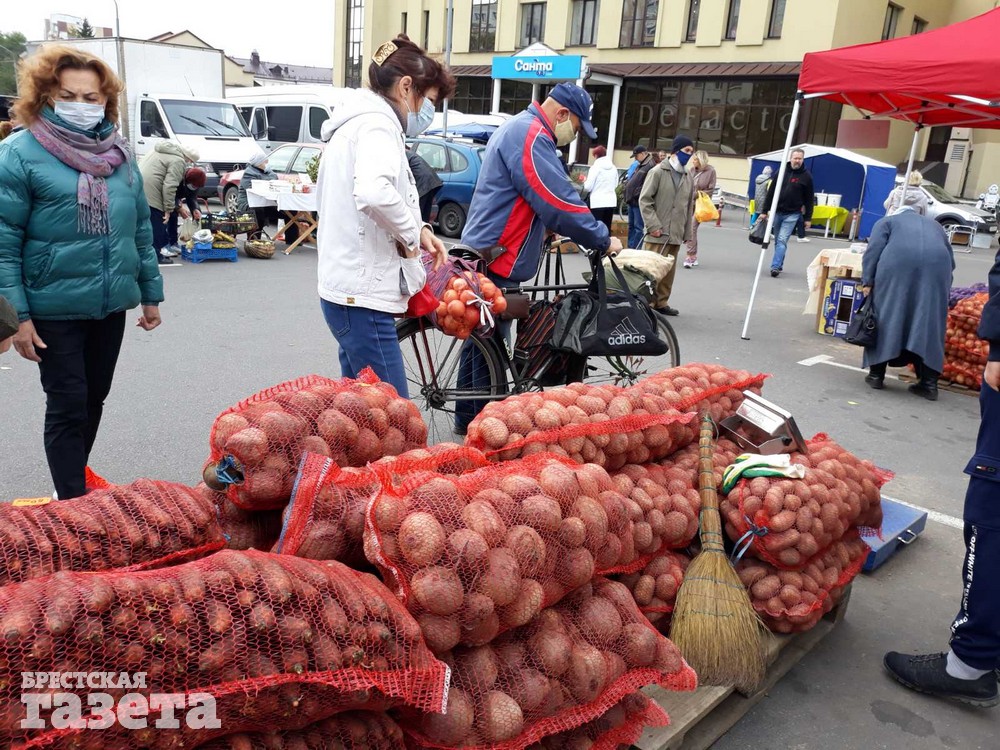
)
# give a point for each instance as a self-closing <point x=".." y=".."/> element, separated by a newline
<point x="753" y="465"/>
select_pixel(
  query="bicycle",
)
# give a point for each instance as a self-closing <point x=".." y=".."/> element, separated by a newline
<point x="432" y="358"/>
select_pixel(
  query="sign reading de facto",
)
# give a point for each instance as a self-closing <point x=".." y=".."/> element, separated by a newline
<point x="541" y="68"/>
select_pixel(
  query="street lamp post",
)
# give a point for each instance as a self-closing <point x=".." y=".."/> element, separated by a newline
<point x="447" y="58"/>
<point x="118" y="28"/>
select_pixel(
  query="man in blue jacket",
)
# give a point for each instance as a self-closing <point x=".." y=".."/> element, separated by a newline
<point x="967" y="672"/>
<point x="522" y="194"/>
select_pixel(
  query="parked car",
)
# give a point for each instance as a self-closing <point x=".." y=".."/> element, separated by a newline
<point x="457" y="163"/>
<point x="951" y="212"/>
<point x="286" y="161"/>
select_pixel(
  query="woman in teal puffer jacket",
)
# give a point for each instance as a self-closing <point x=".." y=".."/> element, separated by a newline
<point x="76" y="246"/>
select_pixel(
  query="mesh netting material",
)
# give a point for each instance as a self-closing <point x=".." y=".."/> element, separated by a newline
<point x="278" y="641"/>
<point x="353" y="730"/>
<point x="568" y="666"/>
<point x="142" y="525"/>
<point x="467" y="300"/>
<point x="617" y="729"/>
<point x="794" y="601"/>
<point x="609" y="425"/>
<point x="243" y="529"/>
<point x="475" y="555"/>
<point x="965" y="353"/>
<point x="802" y="517"/>
<point x="654" y="588"/>
<point x="352" y="422"/>
<point x="326" y="517"/>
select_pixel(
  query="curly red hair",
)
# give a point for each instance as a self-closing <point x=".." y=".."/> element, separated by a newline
<point x="38" y="77"/>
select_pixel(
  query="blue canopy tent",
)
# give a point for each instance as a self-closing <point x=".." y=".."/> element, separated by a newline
<point x="862" y="183"/>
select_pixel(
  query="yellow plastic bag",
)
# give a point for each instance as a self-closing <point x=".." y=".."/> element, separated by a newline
<point x="704" y="209"/>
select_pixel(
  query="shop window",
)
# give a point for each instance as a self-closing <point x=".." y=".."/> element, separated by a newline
<point x="777" y="19"/>
<point x="483" y="33"/>
<point x="638" y="23"/>
<point x="583" y="32"/>
<point x="532" y="23"/>
<point x="473" y="96"/>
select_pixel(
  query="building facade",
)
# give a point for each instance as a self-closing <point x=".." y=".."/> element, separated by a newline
<point x="722" y="71"/>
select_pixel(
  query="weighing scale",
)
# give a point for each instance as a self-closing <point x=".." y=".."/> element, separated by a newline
<point x="764" y="428"/>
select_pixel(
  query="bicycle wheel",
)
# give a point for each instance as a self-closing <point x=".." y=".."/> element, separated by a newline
<point x="627" y="371"/>
<point x="432" y="361"/>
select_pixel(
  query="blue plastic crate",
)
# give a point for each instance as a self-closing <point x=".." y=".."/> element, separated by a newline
<point x="203" y="251"/>
<point x="901" y="525"/>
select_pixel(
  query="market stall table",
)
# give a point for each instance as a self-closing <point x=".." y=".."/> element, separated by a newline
<point x="298" y="207"/>
<point x="832" y="217"/>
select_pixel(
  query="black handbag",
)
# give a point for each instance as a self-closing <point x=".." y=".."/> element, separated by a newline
<point x="596" y="322"/>
<point x="863" y="328"/>
<point x="757" y="230"/>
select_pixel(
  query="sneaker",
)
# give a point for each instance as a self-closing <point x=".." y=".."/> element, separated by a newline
<point x="667" y="310"/>
<point x="171" y="251"/>
<point x="927" y="673"/>
<point x="694" y="262"/>
<point x="164" y="260"/>
<point x="774" y="273"/>
<point x="688" y="264"/>
<point x="802" y="239"/>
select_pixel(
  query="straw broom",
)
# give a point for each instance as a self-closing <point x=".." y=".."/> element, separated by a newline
<point x="714" y="623"/>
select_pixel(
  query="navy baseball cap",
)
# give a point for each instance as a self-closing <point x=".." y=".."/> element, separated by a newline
<point x="577" y="101"/>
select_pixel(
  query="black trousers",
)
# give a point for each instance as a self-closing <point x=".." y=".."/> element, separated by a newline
<point x="76" y="370"/>
<point x="976" y="629"/>
<point x="604" y="215"/>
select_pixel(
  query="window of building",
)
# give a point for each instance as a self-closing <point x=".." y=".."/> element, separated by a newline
<point x="532" y="23"/>
<point x="733" y="20"/>
<point x="919" y="25"/>
<point x="482" y="37"/>
<point x="638" y="23"/>
<point x="355" y="38"/>
<point x="892" y="13"/>
<point x="427" y="28"/>
<point x="692" y="25"/>
<point x="730" y="117"/>
<point x="317" y="116"/>
<point x="777" y="19"/>
<point x="473" y="96"/>
<point x="583" y="32"/>
<point x="402" y="23"/>
<point x="286" y="123"/>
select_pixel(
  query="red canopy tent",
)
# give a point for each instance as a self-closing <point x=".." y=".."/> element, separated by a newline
<point x="943" y="77"/>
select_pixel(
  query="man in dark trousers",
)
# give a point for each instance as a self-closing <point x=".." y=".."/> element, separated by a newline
<point x="633" y="188"/>
<point x="8" y="324"/>
<point x="795" y="201"/>
<point x="966" y="673"/>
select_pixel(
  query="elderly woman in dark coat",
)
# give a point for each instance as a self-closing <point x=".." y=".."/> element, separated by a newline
<point x="908" y="268"/>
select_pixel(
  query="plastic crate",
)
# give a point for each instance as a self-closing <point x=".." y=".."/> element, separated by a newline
<point x="203" y="251"/>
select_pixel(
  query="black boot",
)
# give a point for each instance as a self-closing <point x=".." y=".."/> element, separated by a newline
<point x="876" y="376"/>
<point x="928" y="385"/>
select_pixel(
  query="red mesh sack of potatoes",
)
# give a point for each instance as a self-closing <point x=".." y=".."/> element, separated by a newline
<point x="243" y="529"/>
<point x="616" y="730"/>
<point x="792" y="601"/>
<point x="700" y="388"/>
<point x="256" y="445"/>
<point x="569" y="665"/>
<point x="654" y="588"/>
<point x="599" y="424"/>
<point x="353" y="730"/>
<point x="142" y="525"/>
<point x="274" y="640"/>
<point x="326" y="517"/>
<point x="467" y="300"/>
<point x="475" y="555"/>
<point x="787" y="521"/>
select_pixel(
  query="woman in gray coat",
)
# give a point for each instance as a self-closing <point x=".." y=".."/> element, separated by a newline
<point x="908" y="268"/>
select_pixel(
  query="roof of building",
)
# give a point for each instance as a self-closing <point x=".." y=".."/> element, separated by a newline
<point x="672" y="70"/>
<point x="284" y="72"/>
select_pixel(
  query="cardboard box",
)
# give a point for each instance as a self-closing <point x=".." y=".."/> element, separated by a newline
<point x="842" y="299"/>
<point x="619" y="229"/>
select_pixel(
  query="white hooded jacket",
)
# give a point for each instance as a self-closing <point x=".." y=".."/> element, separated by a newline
<point x="602" y="179"/>
<point x="367" y="202"/>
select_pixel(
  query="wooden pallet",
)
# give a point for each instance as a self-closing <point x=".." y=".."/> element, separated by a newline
<point x="699" y="719"/>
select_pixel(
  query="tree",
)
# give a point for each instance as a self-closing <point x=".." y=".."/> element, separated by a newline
<point x="12" y="46"/>
<point x="83" y="31"/>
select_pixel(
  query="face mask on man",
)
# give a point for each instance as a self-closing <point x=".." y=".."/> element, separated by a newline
<point x="418" y="122"/>
<point x="80" y="114"/>
<point x="683" y="157"/>
<point x="565" y="132"/>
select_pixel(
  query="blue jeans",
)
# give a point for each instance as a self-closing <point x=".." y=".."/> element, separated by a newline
<point x="784" y="225"/>
<point x="367" y="338"/>
<point x="636" y="227"/>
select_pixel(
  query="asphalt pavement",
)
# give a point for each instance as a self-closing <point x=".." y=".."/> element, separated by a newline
<point x="231" y="329"/>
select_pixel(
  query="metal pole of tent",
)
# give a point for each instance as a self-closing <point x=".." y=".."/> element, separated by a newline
<point x="772" y="211"/>
<point x="909" y="166"/>
<point x="447" y="60"/>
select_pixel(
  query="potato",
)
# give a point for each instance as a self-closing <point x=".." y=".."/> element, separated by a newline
<point x="501" y="581"/>
<point x="455" y="724"/>
<point x="484" y="520"/>
<point x="421" y="539"/>
<point x="437" y="590"/>
<point x="600" y="622"/>
<point x="501" y="719"/>
<point x="528" y="549"/>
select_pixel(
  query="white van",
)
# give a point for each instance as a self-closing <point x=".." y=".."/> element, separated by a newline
<point x="285" y="114"/>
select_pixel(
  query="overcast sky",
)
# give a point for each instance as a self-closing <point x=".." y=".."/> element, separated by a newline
<point x="293" y="33"/>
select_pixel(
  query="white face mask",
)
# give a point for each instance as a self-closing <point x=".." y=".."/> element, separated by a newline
<point x="418" y="122"/>
<point x="564" y="132"/>
<point x="80" y="114"/>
